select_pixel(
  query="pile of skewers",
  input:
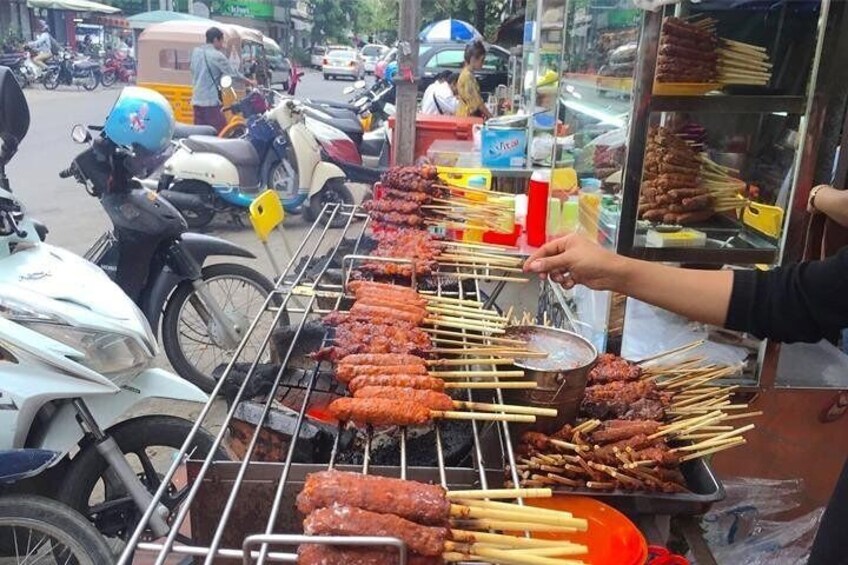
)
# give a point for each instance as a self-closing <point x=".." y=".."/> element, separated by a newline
<point x="436" y="526"/>
<point x="408" y="250"/>
<point x="743" y="63"/>
<point x="682" y="186"/>
<point x="687" y="52"/>
<point x="414" y="197"/>
<point x="402" y="388"/>
<point x="643" y="422"/>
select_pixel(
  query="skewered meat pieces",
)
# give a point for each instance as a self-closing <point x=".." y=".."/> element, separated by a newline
<point x="616" y="400"/>
<point x="389" y="301"/>
<point x="341" y="319"/>
<point x="397" y="218"/>
<point x="339" y="520"/>
<point x="392" y="205"/>
<point x="421" y="382"/>
<point x="346" y="373"/>
<point x="432" y="399"/>
<point x="611" y="368"/>
<point x="382" y="359"/>
<point x="379" y="412"/>
<point x="415" y="501"/>
<point x="367" y="293"/>
<point x="388" y="312"/>
<point x="371" y="337"/>
<point x="617" y="430"/>
<point x="408" y="195"/>
<point x="357" y="286"/>
<point x="319" y="554"/>
<point x="422" y="268"/>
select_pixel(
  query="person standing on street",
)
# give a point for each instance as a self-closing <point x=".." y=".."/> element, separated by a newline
<point x="208" y="65"/>
<point x="43" y="46"/>
<point x="468" y="90"/>
<point x="440" y="96"/>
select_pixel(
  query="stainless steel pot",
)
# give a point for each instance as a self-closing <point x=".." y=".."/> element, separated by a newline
<point x="561" y="378"/>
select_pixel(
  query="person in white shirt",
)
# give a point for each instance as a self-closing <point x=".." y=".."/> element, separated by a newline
<point x="42" y="46"/>
<point x="440" y="97"/>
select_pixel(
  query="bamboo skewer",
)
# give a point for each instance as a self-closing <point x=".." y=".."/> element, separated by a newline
<point x="487" y="416"/>
<point x="491" y="524"/>
<point x="482" y="267"/>
<point x="509" y="408"/>
<point x="494" y="385"/>
<point x="689" y="457"/>
<point x="481" y="314"/>
<point x="461" y="324"/>
<point x="473" y="361"/>
<point x="501" y="539"/>
<point x="502" y="352"/>
<point x="671" y="352"/>
<point x="450" y="300"/>
<point x="716" y="439"/>
<point x="474" y="512"/>
<point x="478" y="374"/>
<point x="494" y="339"/>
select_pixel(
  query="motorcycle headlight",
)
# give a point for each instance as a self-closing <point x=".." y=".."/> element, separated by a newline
<point x="113" y="355"/>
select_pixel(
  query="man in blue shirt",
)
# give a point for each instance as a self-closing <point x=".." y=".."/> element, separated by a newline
<point x="208" y="65"/>
<point x="42" y="46"/>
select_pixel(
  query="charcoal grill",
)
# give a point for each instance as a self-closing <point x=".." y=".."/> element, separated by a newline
<point x="245" y="510"/>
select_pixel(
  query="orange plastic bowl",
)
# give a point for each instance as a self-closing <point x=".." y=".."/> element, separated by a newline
<point x="612" y="538"/>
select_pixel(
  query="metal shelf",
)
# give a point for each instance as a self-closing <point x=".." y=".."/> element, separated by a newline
<point x="706" y="255"/>
<point x="729" y="104"/>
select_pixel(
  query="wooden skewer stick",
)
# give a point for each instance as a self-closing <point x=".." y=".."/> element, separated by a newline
<point x="490" y="277"/>
<point x="500" y="493"/>
<point x="495" y="385"/>
<point x="745" y="415"/>
<point x="461" y="317"/>
<point x="490" y="246"/>
<point x="468" y="313"/>
<point x="498" y="351"/>
<point x="689" y="457"/>
<point x="505" y="557"/>
<point x="472" y="512"/>
<point x="671" y="352"/>
<point x="463" y="325"/>
<point x="509" y="525"/>
<point x="482" y="267"/>
<point x="533" y="510"/>
<point x="473" y="255"/>
<point x="487" y="416"/>
<point x="567" y="548"/>
<point x="747" y="46"/>
<point x="501" y="340"/>
<point x="449" y="300"/>
<point x="474" y="361"/>
<point x="501" y="539"/>
<point x="477" y="374"/>
<point x="671" y="428"/>
<point x="508" y="408"/>
<point x="716" y="439"/>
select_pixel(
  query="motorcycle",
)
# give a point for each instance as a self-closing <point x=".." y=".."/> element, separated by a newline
<point x="64" y="535"/>
<point x="116" y="68"/>
<point x="79" y="357"/>
<point x="151" y="255"/>
<point x="24" y="70"/>
<point x="226" y="174"/>
<point x="70" y="72"/>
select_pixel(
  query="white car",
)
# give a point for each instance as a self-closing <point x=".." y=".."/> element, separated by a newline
<point x="316" y="56"/>
<point x="343" y="63"/>
<point x="371" y="54"/>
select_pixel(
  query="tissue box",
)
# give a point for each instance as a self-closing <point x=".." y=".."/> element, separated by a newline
<point x="503" y="147"/>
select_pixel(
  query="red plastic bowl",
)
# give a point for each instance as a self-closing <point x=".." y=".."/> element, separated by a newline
<point x="612" y="538"/>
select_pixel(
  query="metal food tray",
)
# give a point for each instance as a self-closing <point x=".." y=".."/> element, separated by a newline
<point x="705" y="489"/>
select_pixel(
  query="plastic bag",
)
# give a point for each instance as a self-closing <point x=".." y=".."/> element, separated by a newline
<point x="738" y="530"/>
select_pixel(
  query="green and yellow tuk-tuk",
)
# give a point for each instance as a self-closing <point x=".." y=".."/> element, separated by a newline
<point x="164" y="58"/>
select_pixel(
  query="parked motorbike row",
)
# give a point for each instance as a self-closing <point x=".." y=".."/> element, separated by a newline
<point x="312" y="152"/>
<point x="70" y="69"/>
<point x="77" y="346"/>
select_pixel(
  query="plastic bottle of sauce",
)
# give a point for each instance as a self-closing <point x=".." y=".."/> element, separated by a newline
<point x="537" y="207"/>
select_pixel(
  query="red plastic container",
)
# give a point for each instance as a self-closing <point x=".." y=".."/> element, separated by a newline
<point x="499" y="238"/>
<point x="538" y="190"/>
<point x="429" y="128"/>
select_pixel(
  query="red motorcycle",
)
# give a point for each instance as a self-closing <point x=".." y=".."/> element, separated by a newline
<point x="117" y="67"/>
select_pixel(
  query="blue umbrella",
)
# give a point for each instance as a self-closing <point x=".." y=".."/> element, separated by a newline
<point x="449" y="30"/>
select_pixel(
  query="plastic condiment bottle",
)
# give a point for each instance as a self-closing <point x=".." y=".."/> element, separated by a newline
<point x="554" y="218"/>
<point x="537" y="207"/>
<point x="570" y="215"/>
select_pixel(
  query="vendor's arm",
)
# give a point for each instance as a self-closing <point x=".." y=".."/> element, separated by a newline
<point x="803" y="302"/>
<point x="226" y="68"/>
<point x="831" y="202"/>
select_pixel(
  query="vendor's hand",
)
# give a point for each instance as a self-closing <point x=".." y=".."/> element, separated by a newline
<point x="815" y="192"/>
<point x="573" y="259"/>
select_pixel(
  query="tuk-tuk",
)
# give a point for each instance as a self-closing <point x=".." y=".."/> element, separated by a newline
<point x="164" y="58"/>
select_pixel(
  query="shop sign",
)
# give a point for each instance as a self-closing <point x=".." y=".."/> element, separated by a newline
<point x="247" y="9"/>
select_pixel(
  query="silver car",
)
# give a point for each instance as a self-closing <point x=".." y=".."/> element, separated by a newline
<point x="372" y="53"/>
<point x="343" y="63"/>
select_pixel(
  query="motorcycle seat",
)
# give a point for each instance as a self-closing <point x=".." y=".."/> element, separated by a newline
<point x="329" y="104"/>
<point x="240" y="152"/>
<point x="182" y="131"/>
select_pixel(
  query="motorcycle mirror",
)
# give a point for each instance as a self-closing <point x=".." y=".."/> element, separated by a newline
<point x="359" y="84"/>
<point x="80" y="134"/>
<point x="226" y="81"/>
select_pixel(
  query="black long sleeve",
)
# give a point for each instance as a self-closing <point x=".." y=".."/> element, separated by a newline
<point x="802" y="302"/>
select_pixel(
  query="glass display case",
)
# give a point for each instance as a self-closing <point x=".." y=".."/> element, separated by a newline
<point x="692" y="133"/>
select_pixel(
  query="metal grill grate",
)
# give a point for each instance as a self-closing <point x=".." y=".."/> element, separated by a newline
<point x="304" y="292"/>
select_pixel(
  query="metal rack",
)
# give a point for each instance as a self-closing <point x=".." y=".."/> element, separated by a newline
<point x="226" y="495"/>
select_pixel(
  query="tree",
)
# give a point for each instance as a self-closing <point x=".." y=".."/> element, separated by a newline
<point x="484" y="15"/>
<point x="377" y="17"/>
<point x="330" y="20"/>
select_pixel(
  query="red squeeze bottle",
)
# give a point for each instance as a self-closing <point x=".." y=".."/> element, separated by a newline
<point x="537" y="207"/>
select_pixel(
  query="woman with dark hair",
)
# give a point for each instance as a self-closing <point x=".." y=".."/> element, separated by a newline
<point x="440" y="96"/>
<point x="468" y="90"/>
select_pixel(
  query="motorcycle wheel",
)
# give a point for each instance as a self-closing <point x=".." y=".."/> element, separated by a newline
<point x="50" y="531"/>
<point x="108" y="78"/>
<point x="51" y="79"/>
<point x="334" y="192"/>
<point x="92" y="488"/>
<point x="92" y="81"/>
<point x="189" y="339"/>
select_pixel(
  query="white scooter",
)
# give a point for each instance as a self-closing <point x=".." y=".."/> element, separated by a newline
<point x="76" y="355"/>
<point x="230" y="173"/>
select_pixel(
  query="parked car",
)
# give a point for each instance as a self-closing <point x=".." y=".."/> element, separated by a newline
<point x="316" y="56"/>
<point x="343" y="63"/>
<point x="371" y="55"/>
<point x="433" y="58"/>
<point x="340" y="48"/>
<point x="380" y="67"/>
<point x="279" y="66"/>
